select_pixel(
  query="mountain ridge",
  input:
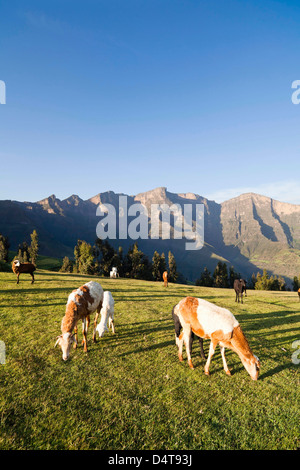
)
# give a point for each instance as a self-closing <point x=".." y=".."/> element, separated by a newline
<point x="250" y="231"/>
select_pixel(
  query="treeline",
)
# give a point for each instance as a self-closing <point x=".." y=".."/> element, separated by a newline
<point x="266" y="282"/>
<point x="296" y="283"/>
<point x="224" y="276"/>
<point x="221" y="277"/>
<point x="101" y="257"/>
<point x="26" y="253"/>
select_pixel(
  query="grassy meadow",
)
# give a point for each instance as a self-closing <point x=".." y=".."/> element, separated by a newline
<point x="130" y="391"/>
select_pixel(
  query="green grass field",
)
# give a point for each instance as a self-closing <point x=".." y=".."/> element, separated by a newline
<point x="130" y="391"/>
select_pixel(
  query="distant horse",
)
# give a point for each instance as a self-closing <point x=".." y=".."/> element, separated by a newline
<point x="114" y="273"/>
<point x="299" y="294"/>
<point x="19" y="268"/>
<point x="165" y="278"/>
<point x="239" y="286"/>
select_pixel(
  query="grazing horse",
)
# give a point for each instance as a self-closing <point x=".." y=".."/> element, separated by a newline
<point x="239" y="286"/>
<point x="165" y="278"/>
<point x="178" y="328"/>
<point x="19" y="268"/>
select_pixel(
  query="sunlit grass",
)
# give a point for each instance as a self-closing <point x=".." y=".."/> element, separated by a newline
<point x="130" y="391"/>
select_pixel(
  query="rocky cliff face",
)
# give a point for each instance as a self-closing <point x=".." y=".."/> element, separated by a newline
<point x="250" y="232"/>
<point x="267" y="232"/>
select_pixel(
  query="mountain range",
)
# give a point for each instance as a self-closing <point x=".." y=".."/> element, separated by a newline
<point x="250" y="232"/>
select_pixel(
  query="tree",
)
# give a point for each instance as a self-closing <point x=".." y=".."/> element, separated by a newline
<point x="67" y="266"/>
<point x="34" y="246"/>
<point x="84" y="258"/>
<point x="295" y="284"/>
<point x="77" y="256"/>
<point x="120" y="266"/>
<point x="141" y="265"/>
<point x="23" y="253"/>
<point x="265" y="282"/>
<point x="163" y="265"/>
<point x="156" y="266"/>
<point x="173" y="274"/>
<point x="205" y="279"/>
<point x="262" y="281"/>
<point x="252" y="282"/>
<point x="282" y="284"/>
<point x="220" y="275"/>
<point x="4" y="247"/>
<point x="107" y="256"/>
<point x="232" y="276"/>
<point x="258" y="283"/>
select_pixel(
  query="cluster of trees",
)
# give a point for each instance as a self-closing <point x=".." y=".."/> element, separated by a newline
<point x="28" y="253"/>
<point x="100" y="258"/>
<point x="4" y="247"/>
<point x="296" y="283"/>
<point x="266" y="282"/>
<point x="224" y="277"/>
<point x="25" y="252"/>
<point x="221" y="277"/>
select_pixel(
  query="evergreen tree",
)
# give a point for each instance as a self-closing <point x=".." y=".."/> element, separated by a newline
<point x="258" y="284"/>
<point x="159" y="266"/>
<point x="205" y="279"/>
<point x="220" y="275"/>
<point x="121" y="262"/>
<point x="108" y="259"/>
<point x="77" y="256"/>
<point x="156" y="266"/>
<point x="141" y="267"/>
<point x="232" y="276"/>
<point x="84" y="258"/>
<point x="262" y="281"/>
<point x="4" y="247"/>
<point x="127" y="262"/>
<point x="282" y="284"/>
<point x="163" y="264"/>
<point x="265" y="280"/>
<point x="34" y="247"/>
<point x="86" y="263"/>
<point x="23" y="253"/>
<point x="173" y="274"/>
<point x="295" y="284"/>
<point x="252" y="282"/>
<point x="67" y="266"/>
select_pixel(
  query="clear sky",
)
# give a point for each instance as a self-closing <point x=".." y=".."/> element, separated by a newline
<point x="129" y="95"/>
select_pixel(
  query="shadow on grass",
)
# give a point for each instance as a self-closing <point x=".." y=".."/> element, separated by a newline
<point x="257" y="321"/>
<point x="36" y="290"/>
<point x="147" y="348"/>
<point x="276" y="370"/>
<point x="33" y="305"/>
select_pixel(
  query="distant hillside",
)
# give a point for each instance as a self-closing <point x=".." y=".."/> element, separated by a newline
<point x="265" y="231"/>
<point x="250" y="232"/>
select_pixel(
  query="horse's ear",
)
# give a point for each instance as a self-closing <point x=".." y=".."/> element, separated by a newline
<point x="73" y="338"/>
<point x="58" y="340"/>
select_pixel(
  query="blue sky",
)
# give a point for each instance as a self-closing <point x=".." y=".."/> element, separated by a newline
<point x="129" y="95"/>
